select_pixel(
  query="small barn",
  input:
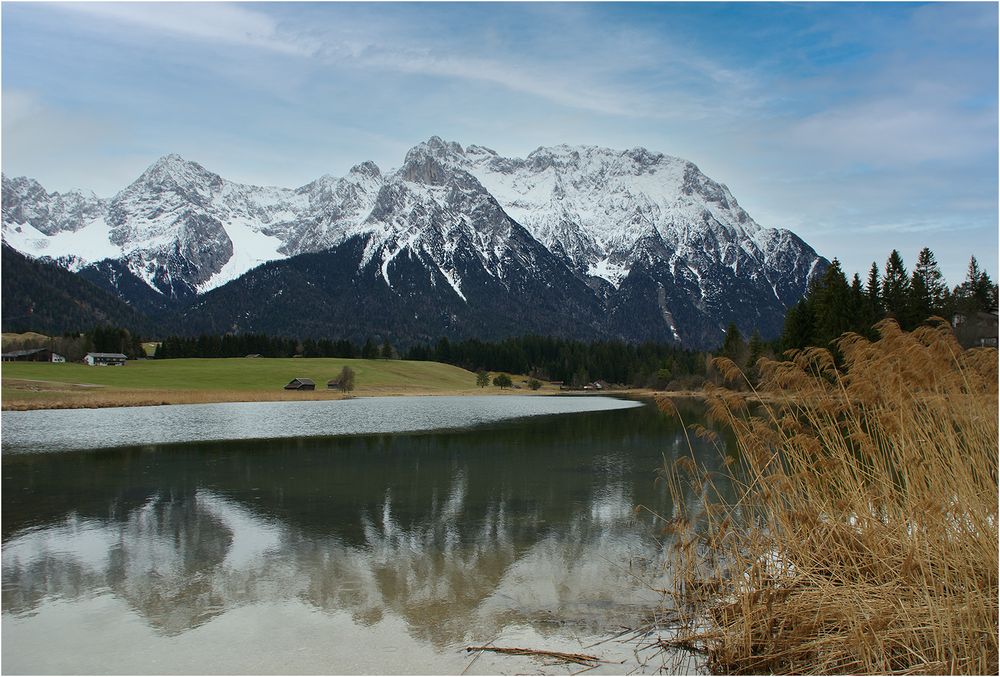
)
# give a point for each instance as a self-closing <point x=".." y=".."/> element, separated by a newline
<point x="105" y="359"/>
<point x="333" y="384"/>
<point x="301" y="384"/>
<point x="33" y="355"/>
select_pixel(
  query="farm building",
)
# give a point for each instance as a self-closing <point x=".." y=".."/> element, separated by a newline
<point x="33" y="355"/>
<point x="978" y="330"/>
<point x="301" y="384"/>
<point x="105" y="359"/>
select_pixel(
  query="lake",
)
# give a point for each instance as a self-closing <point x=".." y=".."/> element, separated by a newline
<point x="380" y="544"/>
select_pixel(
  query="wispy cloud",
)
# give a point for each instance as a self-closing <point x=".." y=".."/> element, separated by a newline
<point x="224" y="23"/>
<point x="600" y="81"/>
<point x="869" y="119"/>
<point x="887" y="132"/>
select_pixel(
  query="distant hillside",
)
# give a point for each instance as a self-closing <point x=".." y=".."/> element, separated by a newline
<point x="43" y="297"/>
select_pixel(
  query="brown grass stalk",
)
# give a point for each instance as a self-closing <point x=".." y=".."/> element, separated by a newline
<point x="863" y="539"/>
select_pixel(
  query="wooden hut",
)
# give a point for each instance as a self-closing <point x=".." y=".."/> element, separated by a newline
<point x="301" y="384"/>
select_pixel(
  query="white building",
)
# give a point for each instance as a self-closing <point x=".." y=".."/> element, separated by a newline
<point x="105" y="359"/>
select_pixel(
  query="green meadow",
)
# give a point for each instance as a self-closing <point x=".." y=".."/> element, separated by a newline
<point x="32" y="385"/>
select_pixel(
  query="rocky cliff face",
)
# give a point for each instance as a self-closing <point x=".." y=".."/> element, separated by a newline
<point x="26" y="202"/>
<point x="577" y="241"/>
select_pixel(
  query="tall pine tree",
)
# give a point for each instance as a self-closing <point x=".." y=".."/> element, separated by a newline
<point x="832" y="306"/>
<point x="928" y="291"/>
<point x="977" y="293"/>
<point x="874" y="291"/>
<point x="896" y="289"/>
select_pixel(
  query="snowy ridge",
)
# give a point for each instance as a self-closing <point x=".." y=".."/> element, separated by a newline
<point x="594" y="204"/>
<point x="638" y="227"/>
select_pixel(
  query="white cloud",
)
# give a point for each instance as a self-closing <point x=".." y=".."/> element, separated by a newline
<point x="890" y="132"/>
<point x="214" y="22"/>
<point x="566" y="91"/>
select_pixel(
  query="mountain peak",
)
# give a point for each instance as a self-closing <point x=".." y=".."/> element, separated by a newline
<point x="367" y="168"/>
<point x="437" y="144"/>
<point x="173" y="169"/>
<point x="170" y="158"/>
<point x="435" y="147"/>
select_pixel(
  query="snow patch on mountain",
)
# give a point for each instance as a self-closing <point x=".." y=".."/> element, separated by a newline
<point x="453" y="280"/>
<point x="89" y="244"/>
<point x="251" y="248"/>
<point x="607" y="270"/>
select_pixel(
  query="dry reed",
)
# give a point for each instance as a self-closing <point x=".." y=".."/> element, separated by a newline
<point x="863" y="537"/>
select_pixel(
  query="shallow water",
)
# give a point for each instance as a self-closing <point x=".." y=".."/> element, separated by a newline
<point x="382" y="553"/>
<point x="62" y="429"/>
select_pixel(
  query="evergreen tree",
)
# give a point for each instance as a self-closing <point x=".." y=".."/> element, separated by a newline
<point x="896" y="289"/>
<point x="977" y="293"/>
<point x="859" y="306"/>
<point x="832" y="306"/>
<point x="369" y="352"/>
<point x="800" y="326"/>
<point x="386" y="349"/>
<point x="757" y="348"/>
<point x="928" y="291"/>
<point x="873" y="291"/>
<point x="733" y="346"/>
<point x="442" y="352"/>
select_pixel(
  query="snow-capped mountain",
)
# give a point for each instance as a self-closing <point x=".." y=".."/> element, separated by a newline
<point x="611" y="243"/>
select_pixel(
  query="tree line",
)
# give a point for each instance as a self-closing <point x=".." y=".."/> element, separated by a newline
<point x="241" y="345"/>
<point x="572" y="362"/>
<point x="73" y="346"/>
<point x="833" y="305"/>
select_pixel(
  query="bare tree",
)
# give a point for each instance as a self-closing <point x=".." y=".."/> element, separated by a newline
<point x="346" y="380"/>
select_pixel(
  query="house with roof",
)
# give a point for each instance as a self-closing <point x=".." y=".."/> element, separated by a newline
<point x="32" y="355"/>
<point x="105" y="359"/>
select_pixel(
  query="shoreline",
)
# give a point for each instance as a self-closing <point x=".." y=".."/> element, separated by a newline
<point x="89" y="396"/>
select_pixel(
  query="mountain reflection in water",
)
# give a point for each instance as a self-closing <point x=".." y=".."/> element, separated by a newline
<point x="459" y="534"/>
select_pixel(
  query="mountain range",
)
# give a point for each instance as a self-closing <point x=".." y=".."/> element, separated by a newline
<point x="574" y="241"/>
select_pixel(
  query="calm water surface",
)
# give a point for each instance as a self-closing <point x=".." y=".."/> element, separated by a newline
<point x="362" y="553"/>
<point x="65" y="429"/>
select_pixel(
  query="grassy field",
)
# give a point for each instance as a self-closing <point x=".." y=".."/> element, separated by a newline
<point x="31" y="385"/>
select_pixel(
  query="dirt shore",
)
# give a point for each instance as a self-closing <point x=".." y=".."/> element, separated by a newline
<point x="46" y="395"/>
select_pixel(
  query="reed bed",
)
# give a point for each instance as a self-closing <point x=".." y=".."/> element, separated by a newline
<point x="863" y="536"/>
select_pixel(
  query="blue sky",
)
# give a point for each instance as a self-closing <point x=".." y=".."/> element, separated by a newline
<point x="862" y="127"/>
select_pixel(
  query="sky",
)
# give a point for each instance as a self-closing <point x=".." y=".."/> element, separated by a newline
<point x="861" y="127"/>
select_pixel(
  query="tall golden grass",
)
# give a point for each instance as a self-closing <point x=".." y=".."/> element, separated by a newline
<point x="863" y="537"/>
